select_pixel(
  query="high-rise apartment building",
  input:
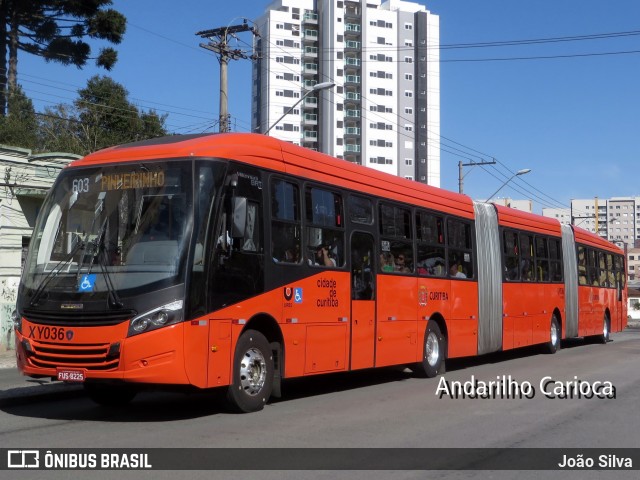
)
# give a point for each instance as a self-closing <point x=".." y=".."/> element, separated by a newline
<point x="384" y="110"/>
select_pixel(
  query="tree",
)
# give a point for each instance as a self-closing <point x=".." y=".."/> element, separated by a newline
<point x="54" y="30"/>
<point x="101" y="117"/>
<point x="19" y="128"/>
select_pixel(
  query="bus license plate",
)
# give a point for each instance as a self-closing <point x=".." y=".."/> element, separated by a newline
<point x="65" y="375"/>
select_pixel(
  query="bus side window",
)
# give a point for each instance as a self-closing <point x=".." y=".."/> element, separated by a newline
<point x="324" y="228"/>
<point x="582" y="265"/>
<point x="460" y="254"/>
<point x="526" y="258"/>
<point x="285" y="224"/>
<point x="555" y="256"/>
<point x="511" y="256"/>
<point x="592" y="268"/>
<point x="396" y="239"/>
<point x="431" y="253"/>
<point x="542" y="259"/>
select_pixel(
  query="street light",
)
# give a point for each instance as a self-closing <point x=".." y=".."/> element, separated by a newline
<point x="316" y="88"/>
<point x="518" y="173"/>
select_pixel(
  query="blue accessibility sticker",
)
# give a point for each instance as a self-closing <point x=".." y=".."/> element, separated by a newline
<point x="87" y="283"/>
<point x="297" y="296"/>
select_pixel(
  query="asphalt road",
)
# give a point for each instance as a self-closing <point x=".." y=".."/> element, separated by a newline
<point x="386" y="408"/>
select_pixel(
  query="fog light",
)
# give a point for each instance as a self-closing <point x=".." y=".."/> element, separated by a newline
<point x="114" y="350"/>
<point x="27" y="346"/>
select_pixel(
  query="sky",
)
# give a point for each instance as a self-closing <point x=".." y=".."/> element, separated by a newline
<point x="574" y="120"/>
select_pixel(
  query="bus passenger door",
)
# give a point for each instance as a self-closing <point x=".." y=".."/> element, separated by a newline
<point x="363" y="301"/>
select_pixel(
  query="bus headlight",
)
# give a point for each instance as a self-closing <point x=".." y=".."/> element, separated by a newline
<point x="157" y="318"/>
<point x="16" y="319"/>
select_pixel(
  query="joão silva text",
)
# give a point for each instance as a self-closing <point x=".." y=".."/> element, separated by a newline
<point x="604" y="461"/>
<point x="505" y="387"/>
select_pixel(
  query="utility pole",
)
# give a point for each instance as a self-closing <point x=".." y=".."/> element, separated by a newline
<point x="472" y="164"/>
<point x="219" y="44"/>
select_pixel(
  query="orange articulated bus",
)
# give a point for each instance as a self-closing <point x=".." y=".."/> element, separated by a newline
<point x="238" y="260"/>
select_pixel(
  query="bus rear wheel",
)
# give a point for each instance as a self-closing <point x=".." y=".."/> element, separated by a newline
<point x="606" y="330"/>
<point x="253" y="370"/>
<point x="433" y="352"/>
<point x="554" y="336"/>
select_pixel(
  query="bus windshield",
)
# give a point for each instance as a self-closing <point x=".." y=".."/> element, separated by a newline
<point x="112" y="231"/>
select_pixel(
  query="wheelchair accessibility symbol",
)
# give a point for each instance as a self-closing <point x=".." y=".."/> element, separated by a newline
<point x="297" y="296"/>
<point x="87" y="283"/>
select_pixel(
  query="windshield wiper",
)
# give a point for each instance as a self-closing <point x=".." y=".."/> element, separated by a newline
<point x="56" y="270"/>
<point x="100" y="252"/>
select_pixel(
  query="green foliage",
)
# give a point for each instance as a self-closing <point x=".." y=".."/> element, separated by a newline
<point x="56" y="31"/>
<point x="101" y="116"/>
<point x="19" y="127"/>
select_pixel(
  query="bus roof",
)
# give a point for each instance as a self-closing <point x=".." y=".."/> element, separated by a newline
<point x="273" y="154"/>
<point x="510" y="217"/>
<point x="268" y="152"/>
<point x="587" y="238"/>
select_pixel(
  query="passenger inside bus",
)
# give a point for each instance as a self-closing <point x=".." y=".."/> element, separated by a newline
<point x="323" y="257"/>
<point x="456" y="270"/>
<point x="400" y="264"/>
<point x="386" y="262"/>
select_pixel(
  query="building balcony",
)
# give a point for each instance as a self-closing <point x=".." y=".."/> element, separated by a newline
<point x="309" y="119"/>
<point x="310" y="136"/>
<point x="310" y="103"/>
<point x="310" y="52"/>
<point x="353" y="96"/>
<point x="309" y="84"/>
<point x="352" y="131"/>
<point x="352" y="62"/>
<point x="310" y="68"/>
<point x="310" y="18"/>
<point x="352" y="28"/>
<point x="352" y="148"/>
<point x="352" y="79"/>
<point x="310" y="35"/>
<point x="352" y="12"/>
<point x="352" y="45"/>
<point x="352" y="113"/>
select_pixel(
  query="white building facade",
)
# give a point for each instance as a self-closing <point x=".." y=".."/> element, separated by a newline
<point x="522" y="205"/>
<point x="384" y="110"/>
<point x="563" y="215"/>
<point x="617" y="219"/>
<point x="24" y="182"/>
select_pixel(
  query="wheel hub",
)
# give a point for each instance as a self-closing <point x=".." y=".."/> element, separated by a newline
<point x="432" y="348"/>
<point x="253" y="371"/>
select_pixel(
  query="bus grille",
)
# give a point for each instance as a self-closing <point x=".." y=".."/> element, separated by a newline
<point x="87" y="356"/>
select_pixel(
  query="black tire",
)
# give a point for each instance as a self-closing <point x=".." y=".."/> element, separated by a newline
<point x="606" y="330"/>
<point x="555" y="334"/>
<point x="252" y="375"/>
<point x="110" y="395"/>
<point x="433" y="351"/>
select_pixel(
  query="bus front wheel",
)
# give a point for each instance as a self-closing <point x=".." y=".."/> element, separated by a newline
<point x="433" y="352"/>
<point x="253" y="370"/>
